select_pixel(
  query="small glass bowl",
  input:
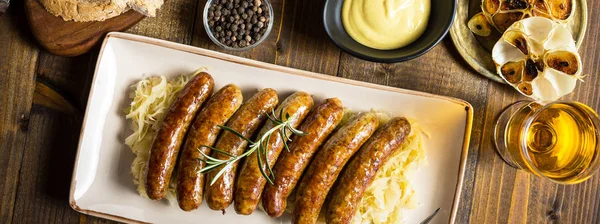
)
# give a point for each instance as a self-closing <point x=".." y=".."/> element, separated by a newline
<point x="222" y="45"/>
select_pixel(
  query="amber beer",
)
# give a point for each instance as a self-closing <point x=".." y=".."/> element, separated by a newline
<point x="559" y="141"/>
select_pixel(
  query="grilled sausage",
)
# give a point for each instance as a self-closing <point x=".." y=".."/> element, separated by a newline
<point x="291" y="164"/>
<point x="327" y="165"/>
<point x="164" y="150"/>
<point x="245" y="121"/>
<point x="251" y="182"/>
<point x="204" y="131"/>
<point x="362" y="168"/>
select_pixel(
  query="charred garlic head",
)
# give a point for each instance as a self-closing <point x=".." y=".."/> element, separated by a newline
<point x="479" y="25"/>
<point x="501" y="14"/>
<point x="538" y="57"/>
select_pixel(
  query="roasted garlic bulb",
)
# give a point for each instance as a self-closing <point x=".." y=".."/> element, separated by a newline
<point x="479" y="25"/>
<point x="503" y="13"/>
<point x="538" y="57"/>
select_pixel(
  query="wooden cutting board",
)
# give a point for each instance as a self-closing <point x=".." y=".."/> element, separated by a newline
<point x="68" y="38"/>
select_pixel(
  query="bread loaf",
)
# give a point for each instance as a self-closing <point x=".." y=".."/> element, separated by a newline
<point x="98" y="10"/>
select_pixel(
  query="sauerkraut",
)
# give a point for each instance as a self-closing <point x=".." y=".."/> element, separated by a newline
<point x="151" y="98"/>
<point x="391" y="193"/>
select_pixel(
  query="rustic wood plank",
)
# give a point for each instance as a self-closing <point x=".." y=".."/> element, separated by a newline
<point x="489" y="167"/>
<point x="533" y="199"/>
<point x="174" y="21"/>
<point x="45" y="178"/>
<point x="440" y="71"/>
<point x="71" y="77"/>
<point x="18" y="58"/>
<point x="518" y="203"/>
<point x="302" y="42"/>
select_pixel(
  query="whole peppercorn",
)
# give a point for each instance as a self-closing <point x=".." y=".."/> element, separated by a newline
<point x="237" y="23"/>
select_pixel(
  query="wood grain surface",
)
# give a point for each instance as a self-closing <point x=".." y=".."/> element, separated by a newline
<point x="38" y="139"/>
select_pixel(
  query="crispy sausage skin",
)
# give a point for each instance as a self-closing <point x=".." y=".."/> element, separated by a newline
<point x="204" y="131"/>
<point x="362" y="169"/>
<point x="245" y="121"/>
<point x="250" y="182"/>
<point x="290" y="165"/>
<point x="165" y="148"/>
<point x="327" y="165"/>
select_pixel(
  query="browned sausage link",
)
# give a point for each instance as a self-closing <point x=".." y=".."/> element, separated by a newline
<point x="290" y="165"/>
<point x="246" y="121"/>
<point x="204" y="131"/>
<point x="251" y="183"/>
<point x="361" y="170"/>
<point x="164" y="150"/>
<point x="327" y="165"/>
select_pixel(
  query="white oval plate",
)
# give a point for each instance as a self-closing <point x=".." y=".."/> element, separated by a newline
<point x="102" y="183"/>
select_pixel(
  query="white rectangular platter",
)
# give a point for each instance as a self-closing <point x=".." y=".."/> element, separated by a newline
<point x="102" y="183"/>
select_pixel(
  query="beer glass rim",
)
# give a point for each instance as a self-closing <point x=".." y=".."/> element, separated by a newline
<point x="595" y="121"/>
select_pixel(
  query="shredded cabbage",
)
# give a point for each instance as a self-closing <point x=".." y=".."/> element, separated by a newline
<point x="151" y="98"/>
<point x="391" y="193"/>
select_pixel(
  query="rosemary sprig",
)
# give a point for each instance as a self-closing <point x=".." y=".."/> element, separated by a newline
<point x="260" y="146"/>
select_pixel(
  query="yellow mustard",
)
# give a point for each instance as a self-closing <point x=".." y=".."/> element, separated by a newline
<point x="385" y="24"/>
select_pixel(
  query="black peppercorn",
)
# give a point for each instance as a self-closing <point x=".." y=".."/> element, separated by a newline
<point x="237" y="23"/>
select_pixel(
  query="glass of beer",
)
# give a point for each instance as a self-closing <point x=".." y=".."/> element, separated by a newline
<point x="559" y="141"/>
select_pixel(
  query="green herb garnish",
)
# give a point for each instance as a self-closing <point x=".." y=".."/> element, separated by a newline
<point x="282" y="126"/>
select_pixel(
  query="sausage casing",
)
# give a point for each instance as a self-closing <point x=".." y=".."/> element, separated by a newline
<point x="245" y="121"/>
<point x="327" y="165"/>
<point x="362" y="169"/>
<point x="204" y="131"/>
<point x="291" y="164"/>
<point x="251" y="182"/>
<point x="168" y="140"/>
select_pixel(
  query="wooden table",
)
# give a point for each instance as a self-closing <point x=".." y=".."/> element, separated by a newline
<point x="39" y="131"/>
